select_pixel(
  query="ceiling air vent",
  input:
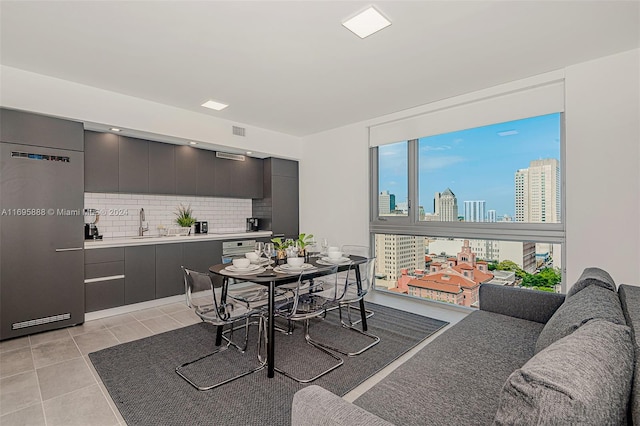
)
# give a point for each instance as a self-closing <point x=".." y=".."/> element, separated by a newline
<point x="227" y="156"/>
<point x="238" y="131"/>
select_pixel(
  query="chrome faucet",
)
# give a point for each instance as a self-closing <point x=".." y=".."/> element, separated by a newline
<point x="141" y="229"/>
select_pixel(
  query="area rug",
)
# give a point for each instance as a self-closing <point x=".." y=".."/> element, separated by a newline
<point x="141" y="379"/>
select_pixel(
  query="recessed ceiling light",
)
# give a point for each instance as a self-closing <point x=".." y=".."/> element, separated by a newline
<point x="249" y="152"/>
<point x="215" y="105"/>
<point x="115" y="129"/>
<point x="367" y="22"/>
<point x="193" y="143"/>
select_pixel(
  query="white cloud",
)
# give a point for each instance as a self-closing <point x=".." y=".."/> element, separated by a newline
<point x="427" y="148"/>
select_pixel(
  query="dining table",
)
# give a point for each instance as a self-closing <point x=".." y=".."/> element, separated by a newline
<point x="273" y="278"/>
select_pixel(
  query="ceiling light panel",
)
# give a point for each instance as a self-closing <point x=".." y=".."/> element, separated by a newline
<point x="367" y="22"/>
<point x="215" y="105"/>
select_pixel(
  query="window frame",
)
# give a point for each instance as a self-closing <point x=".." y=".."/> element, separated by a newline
<point x="554" y="233"/>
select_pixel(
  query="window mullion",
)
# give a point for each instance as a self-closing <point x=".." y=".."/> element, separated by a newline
<point x="413" y="201"/>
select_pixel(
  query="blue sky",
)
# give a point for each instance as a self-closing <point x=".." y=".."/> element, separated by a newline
<point x="477" y="164"/>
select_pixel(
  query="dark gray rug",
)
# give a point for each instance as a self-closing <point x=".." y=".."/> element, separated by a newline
<point x="140" y="376"/>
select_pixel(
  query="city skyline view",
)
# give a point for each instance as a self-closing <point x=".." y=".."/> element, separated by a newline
<point x="476" y="164"/>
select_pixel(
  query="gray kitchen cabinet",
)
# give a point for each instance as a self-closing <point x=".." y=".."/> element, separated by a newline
<point x="133" y="165"/>
<point x="278" y="210"/>
<point x="201" y="255"/>
<point x="239" y="179"/>
<point x="100" y="162"/>
<point x="26" y="128"/>
<point x="139" y="274"/>
<point x="285" y="199"/>
<point x="205" y="173"/>
<point x="104" y="278"/>
<point x="162" y="168"/>
<point x="169" y="281"/>
<point x="186" y="166"/>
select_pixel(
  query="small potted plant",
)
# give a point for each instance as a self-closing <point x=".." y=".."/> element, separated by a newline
<point x="281" y="249"/>
<point x="184" y="217"/>
<point x="303" y="241"/>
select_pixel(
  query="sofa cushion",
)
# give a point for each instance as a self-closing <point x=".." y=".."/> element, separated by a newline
<point x="630" y="300"/>
<point x="456" y="378"/>
<point x="593" y="302"/>
<point x="582" y="379"/>
<point x="592" y="276"/>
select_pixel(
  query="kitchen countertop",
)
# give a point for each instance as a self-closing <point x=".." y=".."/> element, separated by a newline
<point x="152" y="240"/>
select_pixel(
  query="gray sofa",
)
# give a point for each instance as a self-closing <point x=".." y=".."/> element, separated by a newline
<point x="525" y="357"/>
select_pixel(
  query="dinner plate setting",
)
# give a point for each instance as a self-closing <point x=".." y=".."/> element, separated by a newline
<point x="250" y="270"/>
<point x="338" y="261"/>
<point x="288" y="269"/>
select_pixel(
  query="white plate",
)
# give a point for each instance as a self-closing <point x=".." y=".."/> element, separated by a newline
<point x="336" y="261"/>
<point x="261" y="261"/>
<point x="241" y="273"/>
<point x="291" y="269"/>
<point x="247" y="269"/>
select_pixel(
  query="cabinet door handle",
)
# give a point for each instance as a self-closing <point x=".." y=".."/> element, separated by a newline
<point x="69" y="249"/>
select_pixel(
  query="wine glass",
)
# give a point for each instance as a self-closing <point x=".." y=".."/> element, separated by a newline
<point x="258" y="248"/>
<point x="325" y="246"/>
<point x="268" y="252"/>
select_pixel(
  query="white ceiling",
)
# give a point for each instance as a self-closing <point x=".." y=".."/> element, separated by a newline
<point x="291" y="66"/>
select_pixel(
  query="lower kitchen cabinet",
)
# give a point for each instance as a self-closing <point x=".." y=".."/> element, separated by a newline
<point x="104" y="294"/>
<point x="104" y="278"/>
<point x="169" y="281"/>
<point x="139" y="274"/>
<point x="201" y="255"/>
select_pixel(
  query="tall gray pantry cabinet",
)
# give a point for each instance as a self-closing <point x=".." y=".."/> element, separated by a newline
<point x="41" y="223"/>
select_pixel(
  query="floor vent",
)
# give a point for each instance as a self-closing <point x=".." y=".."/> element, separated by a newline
<point x="238" y="131"/>
<point x="227" y="156"/>
<point x="40" y="321"/>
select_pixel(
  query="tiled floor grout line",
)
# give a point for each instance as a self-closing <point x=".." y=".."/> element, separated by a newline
<point x="35" y="371"/>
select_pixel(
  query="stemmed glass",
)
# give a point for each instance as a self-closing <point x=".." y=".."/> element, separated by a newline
<point x="325" y="246"/>
<point x="258" y="248"/>
<point x="268" y="252"/>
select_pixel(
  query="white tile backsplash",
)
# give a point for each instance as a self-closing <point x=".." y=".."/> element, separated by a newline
<point x="119" y="213"/>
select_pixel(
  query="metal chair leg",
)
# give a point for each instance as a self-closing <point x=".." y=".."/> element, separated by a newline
<point x="222" y="349"/>
<point x="339" y="360"/>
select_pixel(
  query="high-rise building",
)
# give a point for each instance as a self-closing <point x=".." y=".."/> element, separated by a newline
<point x="538" y="192"/>
<point x="395" y="253"/>
<point x="492" y="216"/>
<point x="474" y="211"/>
<point x="445" y="205"/>
<point x="392" y="202"/>
<point x="384" y="203"/>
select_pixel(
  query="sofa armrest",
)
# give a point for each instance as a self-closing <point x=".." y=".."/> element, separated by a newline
<point x="517" y="302"/>
<point x="316" y="406"/>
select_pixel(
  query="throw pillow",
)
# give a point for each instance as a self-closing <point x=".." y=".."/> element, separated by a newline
<point x="594" y="302"/>
<point x="582" y="379"/>
<point x="592" y="276"/>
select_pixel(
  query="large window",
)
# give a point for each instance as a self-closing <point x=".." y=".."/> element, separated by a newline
<point x="489" y="194"/>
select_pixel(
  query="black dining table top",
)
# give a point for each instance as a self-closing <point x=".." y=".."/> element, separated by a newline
<point x="270" y="275"/>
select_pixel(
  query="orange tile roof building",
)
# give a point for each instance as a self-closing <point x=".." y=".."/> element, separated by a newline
<point x="455" y="281"/>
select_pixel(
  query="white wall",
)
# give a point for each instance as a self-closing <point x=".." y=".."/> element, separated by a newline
<point x="602" y="167"/>
<point x="602" y="172"/>
<point x="52" y="96"/>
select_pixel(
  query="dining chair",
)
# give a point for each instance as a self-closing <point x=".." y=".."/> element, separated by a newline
<point x="214" y="311"/>
<point x="314" y="291"/>
<point x="352" y="296"/>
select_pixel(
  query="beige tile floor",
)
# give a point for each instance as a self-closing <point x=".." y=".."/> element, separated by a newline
<point x="47" y="379"/>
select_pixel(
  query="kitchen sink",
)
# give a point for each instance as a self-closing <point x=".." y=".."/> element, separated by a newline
<point x="146" y="236"/>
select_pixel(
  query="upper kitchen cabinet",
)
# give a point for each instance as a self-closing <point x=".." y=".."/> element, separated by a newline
<point x="205" y="173"/>
<point x="38" y="130"/>
<point x="186" y="167"/>
<point x="162" y="168"/>
<point x="239" y="179"/>
<point x="100" y="162"/>
<point x="133" y="169"/>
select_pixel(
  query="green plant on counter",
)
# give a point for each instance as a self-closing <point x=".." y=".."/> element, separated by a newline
<point x="279" y="244"/>
<point x="184" y="216"/>
<point x="304" y="240"/>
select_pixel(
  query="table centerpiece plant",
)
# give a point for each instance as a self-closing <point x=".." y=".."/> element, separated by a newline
<point x="304" y="240"/>
<point x="280" y="246"/>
